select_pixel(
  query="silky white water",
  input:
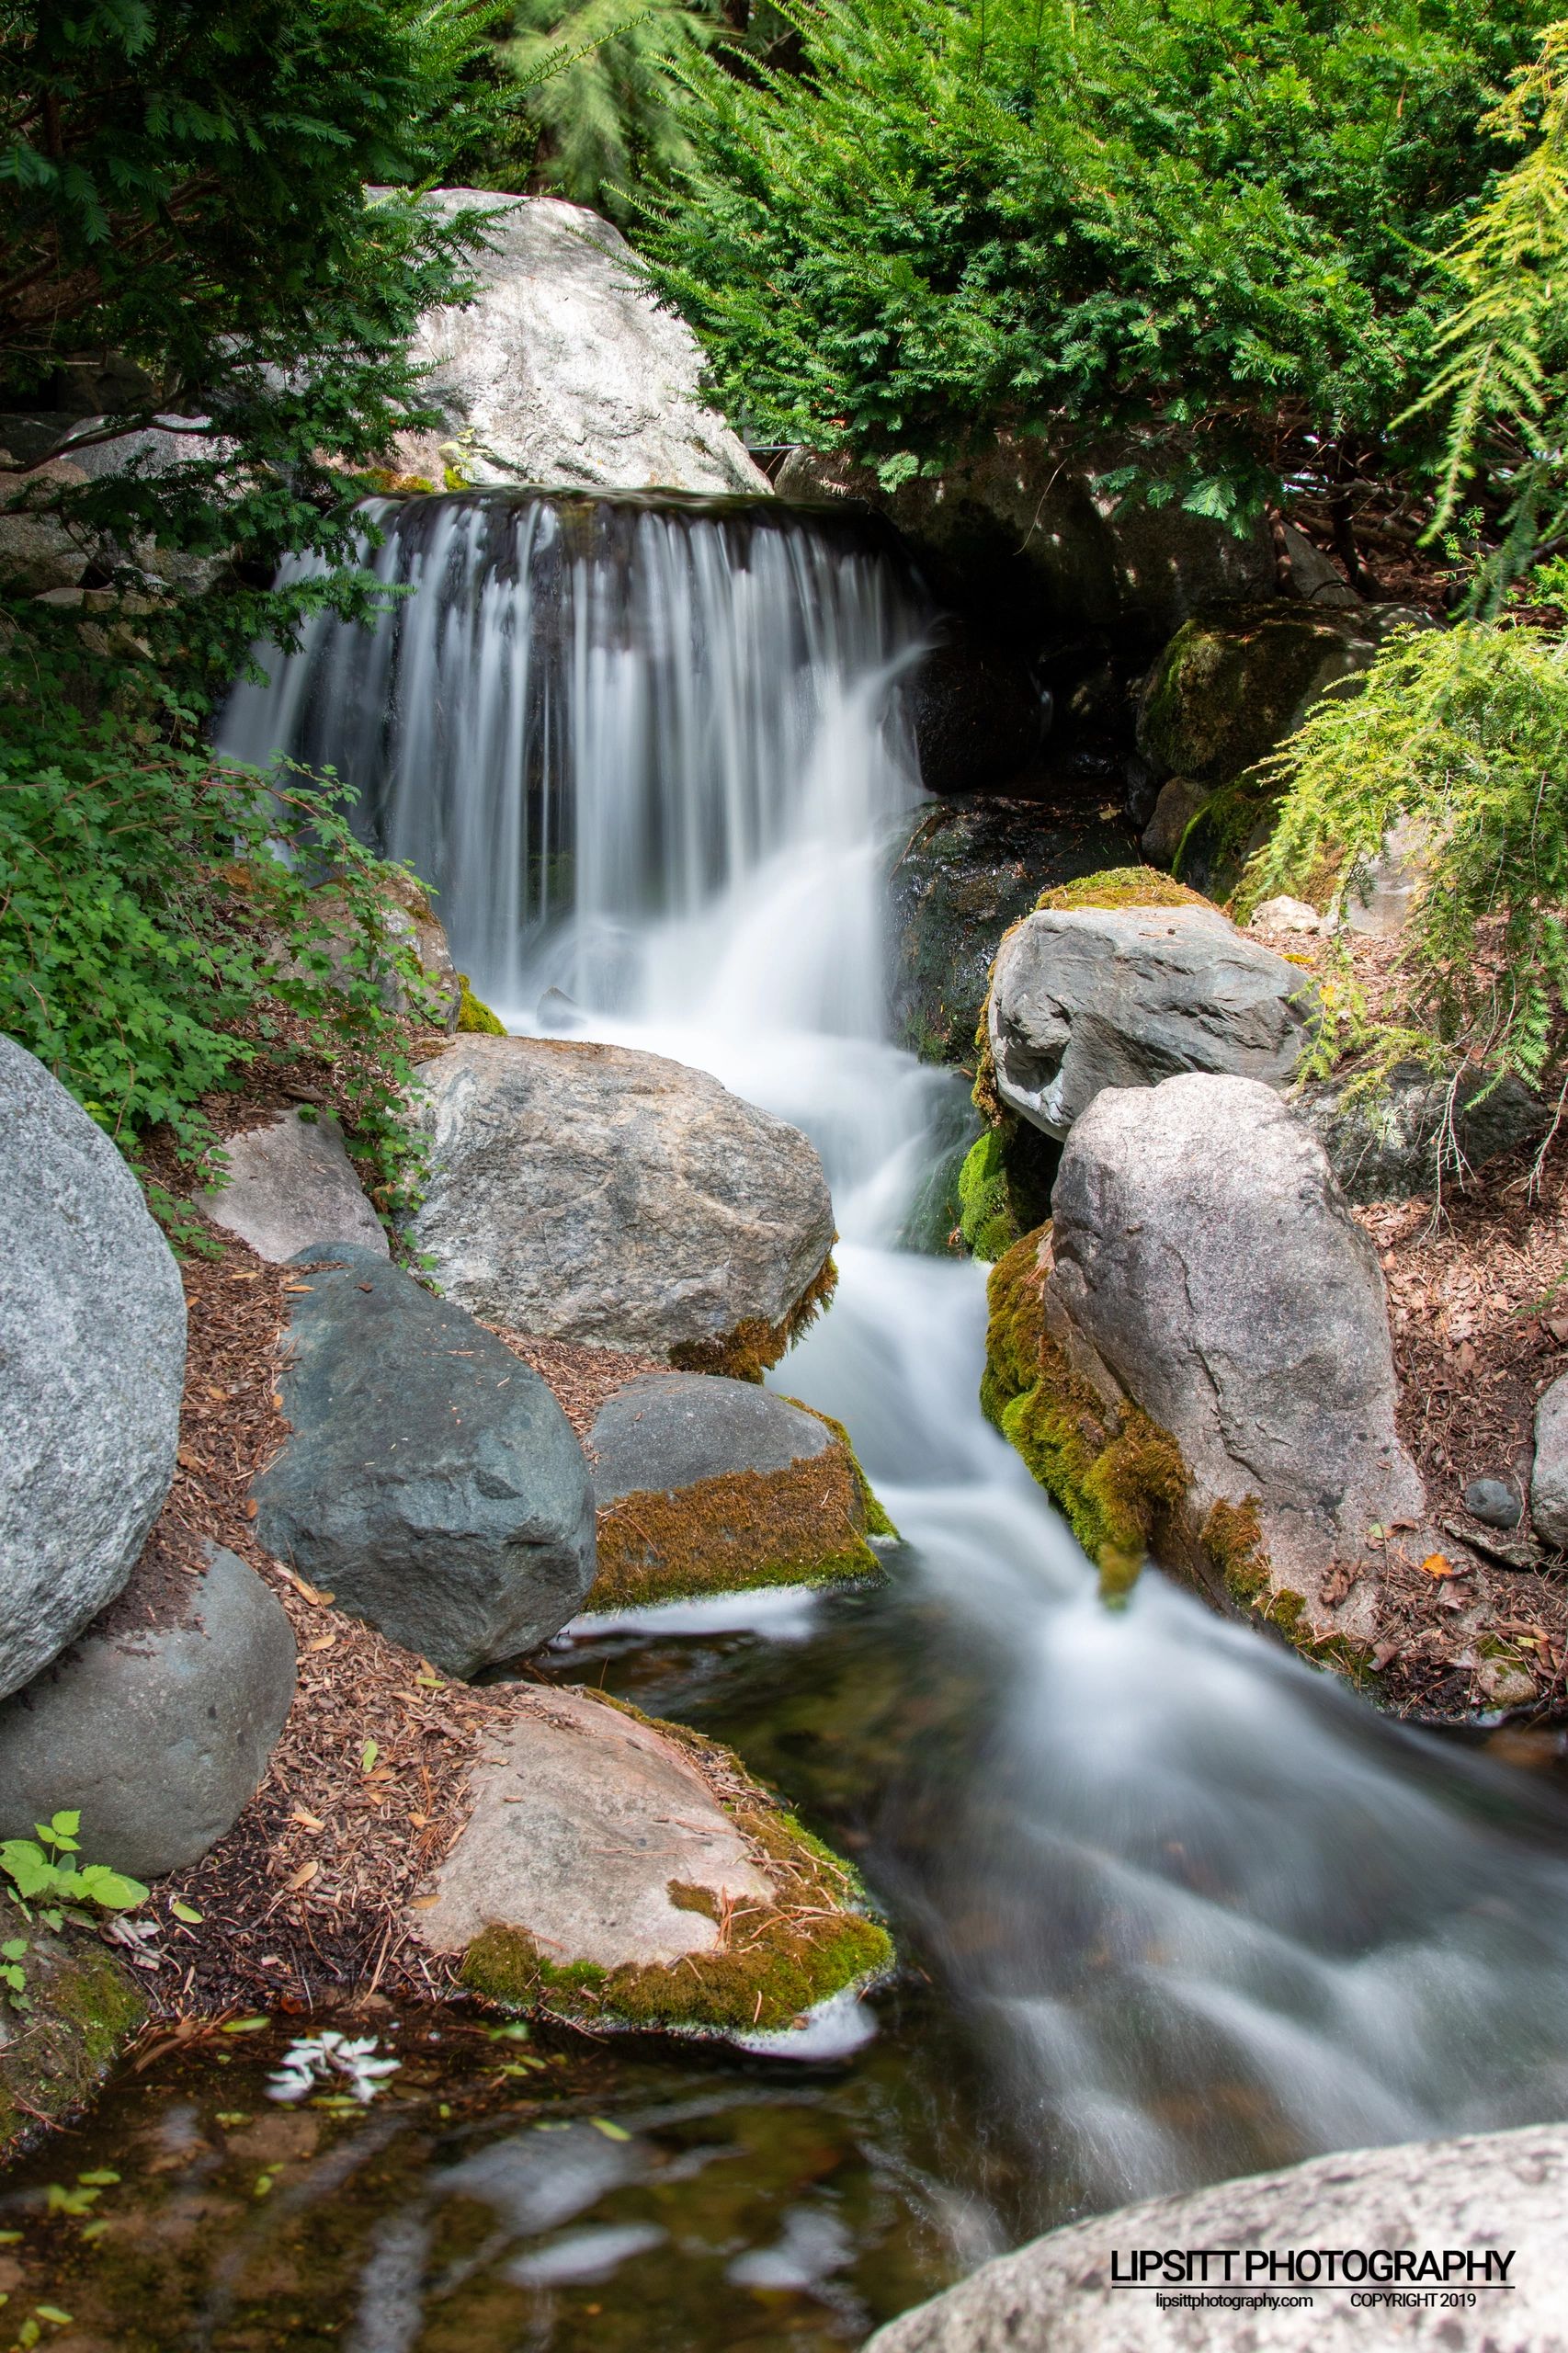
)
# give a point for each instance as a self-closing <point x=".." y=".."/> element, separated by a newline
<point x="1200" y="1907"/>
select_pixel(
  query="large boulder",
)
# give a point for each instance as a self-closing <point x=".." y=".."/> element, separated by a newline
<point x="1087" y="998"/>
<point x="1196" y="1354"/>
<point x="957" y="877"/>
<point x="1425" y="2222"/>
<point x="976" y="715"/>
<point x="704" y="1907"/>
<point x="92" y="1367"/>
<point x="1031" y="526"/>
<point x="432" y="1485"/>
<point x="1401" y="1139"/>
<point x="710" y="1485"/>
<point x="290" y="1182"/>
<point x="155" y="1726"/>
<point x="587" y="1192"/>
<point x="564" y="372"/>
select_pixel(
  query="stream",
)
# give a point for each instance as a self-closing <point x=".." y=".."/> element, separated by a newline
<point x="1172" y="1905"/>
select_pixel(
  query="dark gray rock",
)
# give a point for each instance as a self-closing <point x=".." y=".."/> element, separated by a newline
<point x="1089" y="997"/>
<point x="977" y="717"/>
<point x="157" y="1734"/>
<point x="1496" y="1503"/>
<point x="92" y="1366"/>
<point x="1180" y="801"/>
<point x="957" y="878"/>
<point x="432" y="1483"/>
<point x="1502" y="2191"/>
<point x="1423" y="1128"/>
<point x="1549" y="1479"/>
<point x="667" y="1430"/>
<point x="291" y="1184"/>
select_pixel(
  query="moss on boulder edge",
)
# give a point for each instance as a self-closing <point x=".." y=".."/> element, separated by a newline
<point x="1117" y="1476"/>
<point x="53" y="2057"/>
<point x="754" y="1347"/>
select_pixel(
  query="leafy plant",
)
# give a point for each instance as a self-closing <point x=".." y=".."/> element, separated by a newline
<point x="607" y="120"/>
<point x="1459" y="736"/>
<point x="43" y="1872"/>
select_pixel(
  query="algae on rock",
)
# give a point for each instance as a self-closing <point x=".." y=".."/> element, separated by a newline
<point x="85" y="2009"/>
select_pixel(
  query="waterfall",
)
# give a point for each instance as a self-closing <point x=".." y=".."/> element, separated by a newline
<point x="591" y="722"/>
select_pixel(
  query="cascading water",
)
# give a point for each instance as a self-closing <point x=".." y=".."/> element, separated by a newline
<point x="1195" y="1907"/>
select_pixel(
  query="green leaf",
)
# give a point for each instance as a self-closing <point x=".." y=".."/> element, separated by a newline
<point x="611" y="2131"/>
<point x="186" y="1912"/>
<point x="246" y="2025"/>
<point x="113" y="1890"/>
<point x="368" y="1755"/>
<point x="15" y="1949"/>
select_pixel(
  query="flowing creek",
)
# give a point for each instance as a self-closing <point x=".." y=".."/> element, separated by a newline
<point x="1173" y="1907"/>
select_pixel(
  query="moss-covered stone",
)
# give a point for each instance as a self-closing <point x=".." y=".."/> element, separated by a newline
<point x="1236" y="681"/>
<point x="1120" y="886"/>
<point x="474" y="1015"/>
<point x="754" y="1346"/>
<point x="773" y="1960"/>
<point x="85" y="2007"/>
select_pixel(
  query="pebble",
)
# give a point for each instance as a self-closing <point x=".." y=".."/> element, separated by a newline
<point x="1494" y="1502"/>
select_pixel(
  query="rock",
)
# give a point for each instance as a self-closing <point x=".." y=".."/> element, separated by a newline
<point x="86" y="2006"/>
<point x="1285" y="913"/>
<point x="708" y="1485"/>
<point x="156" y="1724"/>
<point x="957" y="878"/>
<point x="1388" y="1146"/>
<point x="1548" y="1478"/>
<point x="1196" y="1355"/>
<point x="39" y="553"/>
<point x="1088" y="997"/>
<point x="1503" y="2196"/>
<point x="1237" y="680"/>
<point x="1379" y="898"/>
<point x="1496" y="1503"/>
<point x="1315" y="578"/>
<point x="1179" y="804"/>
<point x="405" y="914"/>
<point x="432" y="1483"/>
<point x="1505" y="1683"/>
<point x="563" y="372"/>
<point x="680" y="1921"/>
<point x="292" y="1183"/>
<point x="1023" y="524"/>
<point x="92" y="1367"/>
<point x="586" y="1192"/>
<point x="977" y="718"/>
<point x="408" y="915"/>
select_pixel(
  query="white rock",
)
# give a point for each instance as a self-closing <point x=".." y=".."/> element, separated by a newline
<point x="1549" y="1479"/>
<point x="564" y="372"/>
<point x="291" y="1184"/>
<point x="1285" y="913"/>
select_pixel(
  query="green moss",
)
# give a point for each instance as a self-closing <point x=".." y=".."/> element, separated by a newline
<point x="1232" y="684"/>
<point x="775" y="1959"/>
<point x="474" y="1015"/>
<point x="805" y="1525"/>
<point x="754" y="1346"/>
<point x="1124" y="886"/>
<point x="86" y="2008"/>
<point x="874" y="1519"/>
<point x="985" y="1208"/>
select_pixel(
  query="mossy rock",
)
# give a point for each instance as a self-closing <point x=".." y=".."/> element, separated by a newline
<point x="85" y="2009"/>
<point x="475" y="1016"/>
<point x="1005" y="1186"/>
<point x="754" y="1346"/>
<point x="1238" y="679"/>
<point x="1122" y="886"/>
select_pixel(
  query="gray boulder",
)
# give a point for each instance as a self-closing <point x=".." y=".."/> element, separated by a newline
<point x="1178" y="802"/>
<point x="1502" y="2197"/>
<point x="586" y="1192"/>
<point x="1387" y="1146"/>
<point x="564" y="372"/>
<point x="291" y="1184"/>
<point x="432" y="1485"/>
<point x="92" y="1367"/>
<point x="1203" y="1257"/>
<point x="1090" y="997"/>
<point x="675" y="1429"/>
<point x="156" y="1726"/>
<point x="1549" y="1479"/>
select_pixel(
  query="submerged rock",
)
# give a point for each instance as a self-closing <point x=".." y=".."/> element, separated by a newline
<point x="564" y="372"/>
<point x="586" y="1192"/>
<point x="291" y="1183"/>
<point x="1423" y="1126"/>
<point x="706" y="1906"/>
<point x="92" y="1367"/>
<point x="710" y="1485"/>
<point x="431" y="1482"/>
<point x="1085" y="997"/>
<point x="1501" y="2196"/>
<point x="85" y="2007"/>
<point x="1195" y="1356"/>
<point x="156" y="1728"/>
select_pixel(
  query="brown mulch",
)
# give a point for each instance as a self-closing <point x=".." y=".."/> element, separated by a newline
<point x="581" y="1377"/>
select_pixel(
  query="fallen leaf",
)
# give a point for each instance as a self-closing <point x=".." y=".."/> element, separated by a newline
<point x="248" y="1507"/>
<point x="1437" y="1564"/>
<point x="423" y="1903"/>
<point x="611" y="2131"/>
<point x="309" y="1820"/>
<point x="312" y="1594"/>
<point x="322" y="1642"/>
<point x="368" y="1755"/>
<point x="303" y="1875"/>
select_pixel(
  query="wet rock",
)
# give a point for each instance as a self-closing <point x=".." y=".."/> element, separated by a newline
<point x="86" y="2006"/>
<point x="704" y="1485"/>
<point x="1025" y="527"/>
<point x="1422" y="1127"/>
<point x="1202" y="1266"/>
<point x="976" y="716"/>
<point x="431" y="1482"/>
<point x="156" y="1729"/>
<point x="586" y="1192"/>
<point x="1492" y="2192"/>
<point x="680" y="1922"/>
<point x="1496" y="1503"/>
<point x="1180" y="800"/>
<point x="291" y="1184"/>
<point x="564" y="372"/>
<point x="1121" y="997"/>
<point x="1548" y="1478"/>
<point x="957" y="878"/>
<point x="92" y="1367"/>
